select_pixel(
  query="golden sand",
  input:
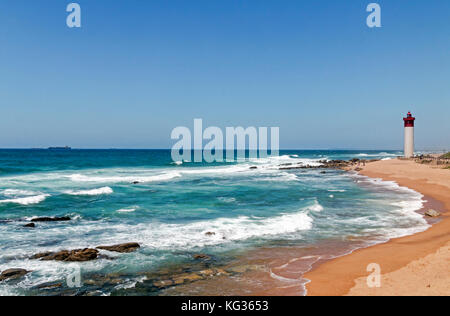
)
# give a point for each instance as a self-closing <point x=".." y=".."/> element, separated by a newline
<point x="413" y="265"/>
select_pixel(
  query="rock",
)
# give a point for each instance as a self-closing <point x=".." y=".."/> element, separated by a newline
<point x="246" y="268"/>
<point x="432" y="213"/>
<point x="135" y="182"/>
<point x="122" y="248"/>
<point x="49" y="286"/>
<point x="79" y="255"/>
<point x="51" y="219"/>
<point x="201" y="256"/>
<point x="41" y="255"/>
<point x="12" y="274"/>
<point x="31" y="225"/>
<point x="207" y="272"/>
<point x="163" y="284"/>
<point x="187" y="278"/>
<point x="253" y="168"/>
<point x="210" y="234"/>
<point x="325" y="164"/>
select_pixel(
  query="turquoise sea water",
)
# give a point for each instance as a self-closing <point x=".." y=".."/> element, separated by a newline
<point x="117" y="196"/>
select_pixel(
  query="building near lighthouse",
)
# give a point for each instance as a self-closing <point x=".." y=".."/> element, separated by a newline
<point x="409" y="135"/>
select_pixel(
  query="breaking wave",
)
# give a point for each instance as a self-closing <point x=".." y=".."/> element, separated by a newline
<point x="100" y="191"/>
<point x="27" y="200"/>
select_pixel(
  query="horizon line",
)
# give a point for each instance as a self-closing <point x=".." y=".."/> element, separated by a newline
<point x="224" y="149"/>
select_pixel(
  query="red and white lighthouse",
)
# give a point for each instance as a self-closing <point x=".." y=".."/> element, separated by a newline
<point x="409" y="135"/>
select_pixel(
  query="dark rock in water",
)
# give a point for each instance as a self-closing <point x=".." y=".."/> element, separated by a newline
<point x="51" y="219"/>
<point x="12" y="274"/>
<point x="253" y="168"/>
<point x="102" y="280"/>
<point x="323" y="172"/>
<point x="42" y="255"/>
<point x="188" y="277"/>
<point x="48" y="286"/>
<point x="79" y="255"/>
<point x="201" y="256"/>
<point x="432" y="213"/>
<point x="31" y="225"/>
<point x="122" y="248"/>
<point x="135" y="182"/>
<point x="326" y="164"/>
<point x="210" y="234"/>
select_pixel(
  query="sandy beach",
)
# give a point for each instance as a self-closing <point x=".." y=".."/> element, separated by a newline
<point x="414" y="265"/>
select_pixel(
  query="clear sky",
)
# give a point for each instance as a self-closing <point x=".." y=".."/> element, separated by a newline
<point x="137" y="69"/>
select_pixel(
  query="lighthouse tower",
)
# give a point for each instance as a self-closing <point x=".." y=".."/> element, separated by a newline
<point x="409" y="135"/>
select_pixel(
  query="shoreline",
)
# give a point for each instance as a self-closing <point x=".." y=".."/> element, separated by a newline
<point x="347" y="275"/>
<point x="282" y="270"/>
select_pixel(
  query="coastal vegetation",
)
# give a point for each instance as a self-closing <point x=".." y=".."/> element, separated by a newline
<point x="446" y="156"/>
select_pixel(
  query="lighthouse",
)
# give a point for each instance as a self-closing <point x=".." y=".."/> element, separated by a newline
<point x="409" y="135"/>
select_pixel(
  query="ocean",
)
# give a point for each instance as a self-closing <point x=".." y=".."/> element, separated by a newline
<point x="120" y="196"/>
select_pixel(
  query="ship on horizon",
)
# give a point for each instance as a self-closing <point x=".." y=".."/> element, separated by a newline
<point x="60" y="148"/>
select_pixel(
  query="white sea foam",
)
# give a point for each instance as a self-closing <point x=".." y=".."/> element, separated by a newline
<point x="17" y="193"/>
<point x="404" y="220"/>
<point x="226" y="200"/>
<point x="27" y="200"/>
<point x="125" y="178"/>
<point x="193" y="235"/>
<point x="316" y="207"/>
<point x="276" y="161"/>
<point x="100" y="191"/>
<point x="127" y="210"/>
<point x="380" y="154"/>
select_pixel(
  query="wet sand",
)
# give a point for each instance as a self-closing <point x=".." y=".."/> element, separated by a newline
<point x="413" y="265"/>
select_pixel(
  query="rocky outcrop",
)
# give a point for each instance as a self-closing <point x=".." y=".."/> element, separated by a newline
<point x="31" y="225"/>
<point x="51" y="219"/>
<point x="122" y="248"/>
<point x="79" y="255"/>
<point x="210" y="234"/>
<point x="13" y="274"/>
<point x="201" y="256"/>
<point x="432" y="213"/>
<point x="49" y="286"/>
<point x="329" y="164"/>
<point x="184" y="278"/>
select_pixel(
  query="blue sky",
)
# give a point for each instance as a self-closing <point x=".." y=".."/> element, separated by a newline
<point x="138" y="69"/>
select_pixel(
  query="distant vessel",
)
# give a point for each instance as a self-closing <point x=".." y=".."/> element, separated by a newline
<point x="60" y="148"/>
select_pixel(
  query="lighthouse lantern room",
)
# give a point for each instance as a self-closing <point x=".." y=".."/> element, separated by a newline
<point x="409" y="135"/>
